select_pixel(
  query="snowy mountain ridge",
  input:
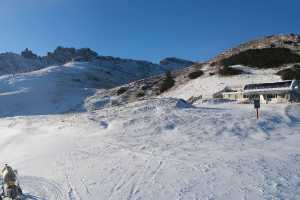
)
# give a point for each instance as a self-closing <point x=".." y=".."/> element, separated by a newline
<point x="27" y="61"/>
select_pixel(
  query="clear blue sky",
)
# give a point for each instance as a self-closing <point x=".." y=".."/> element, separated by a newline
<point x="143" y="29"/>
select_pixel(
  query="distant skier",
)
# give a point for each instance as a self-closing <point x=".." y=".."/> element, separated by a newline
<point x="10" y="185"/>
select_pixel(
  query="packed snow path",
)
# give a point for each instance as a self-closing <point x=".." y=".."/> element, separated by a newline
<point x="157" y="149"/>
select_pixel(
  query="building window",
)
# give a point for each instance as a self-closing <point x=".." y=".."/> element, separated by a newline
<point x="254" y="96"/>
<point x="270" y="96"/>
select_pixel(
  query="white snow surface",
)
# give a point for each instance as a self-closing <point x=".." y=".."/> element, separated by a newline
<point x="157" y="149"/>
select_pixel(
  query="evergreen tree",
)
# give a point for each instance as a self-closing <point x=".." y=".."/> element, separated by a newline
<point x="167" y="83"/>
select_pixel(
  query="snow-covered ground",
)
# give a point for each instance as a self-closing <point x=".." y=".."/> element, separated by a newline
<point x="157" y="149"/>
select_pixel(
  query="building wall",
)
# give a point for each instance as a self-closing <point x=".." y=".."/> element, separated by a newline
<point x="268" y="95"/>
<point x="264" y="98"/>
<point x="272" y="98"/>
<point x="238" y="96"/>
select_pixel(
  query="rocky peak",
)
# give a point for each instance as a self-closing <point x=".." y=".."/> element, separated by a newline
<point x="86" y="54"/>
<point x="64" y="55"/>
<point x="27" y="53"/>
<point x="172" y="63"/>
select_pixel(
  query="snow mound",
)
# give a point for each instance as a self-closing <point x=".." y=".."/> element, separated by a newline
<point x="166" y="103"/>
<point x="293" y="112"/>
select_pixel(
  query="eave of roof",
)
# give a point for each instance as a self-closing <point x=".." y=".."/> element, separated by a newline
<point x="268" y="90"/>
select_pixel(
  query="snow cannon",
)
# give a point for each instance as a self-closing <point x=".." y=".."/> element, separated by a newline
<point x="11" y="189"/>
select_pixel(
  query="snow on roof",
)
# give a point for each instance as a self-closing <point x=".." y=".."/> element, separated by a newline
<point x="263" y="86"/>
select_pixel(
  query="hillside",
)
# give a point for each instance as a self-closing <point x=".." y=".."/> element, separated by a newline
<point x="256" y="61"/>
<point x="173" y="63"/>
<point x="186" y="88"/>
<point x="29" y="86"/>
<point x="45" y="91"/>
<point x="290" y="41"/>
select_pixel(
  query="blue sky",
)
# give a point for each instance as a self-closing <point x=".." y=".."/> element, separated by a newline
<point x="143" y="29"/>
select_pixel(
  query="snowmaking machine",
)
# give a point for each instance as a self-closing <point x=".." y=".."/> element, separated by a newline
<point x="11" y="189"/>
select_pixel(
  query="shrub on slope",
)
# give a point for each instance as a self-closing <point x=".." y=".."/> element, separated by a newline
<point x="195" y="74"/>
<point x="290" y="73"/>
<point x="121" y="90"/>
<point x="262" y="58"/>
<point x="167" y="83"/>
<point x="229" y="71"/>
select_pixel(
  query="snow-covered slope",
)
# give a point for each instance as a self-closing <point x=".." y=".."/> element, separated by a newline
<point x="186" y="88"/>
<point x="11" y="63"/>
<point x="207" y="84"/>
<point x="157" y="149"/>
<point x="60" y="89"/>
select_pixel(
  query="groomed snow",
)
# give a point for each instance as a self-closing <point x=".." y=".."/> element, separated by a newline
<point x="157" y="149"/>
